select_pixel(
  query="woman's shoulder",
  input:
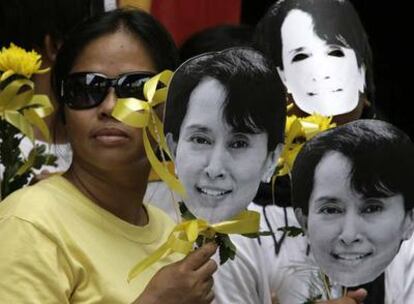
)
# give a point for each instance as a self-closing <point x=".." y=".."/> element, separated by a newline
<point x="33" y="201"/>
<point x="156" y="213"/>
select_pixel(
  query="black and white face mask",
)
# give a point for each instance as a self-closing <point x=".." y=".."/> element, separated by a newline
<point x="322" y="77"/>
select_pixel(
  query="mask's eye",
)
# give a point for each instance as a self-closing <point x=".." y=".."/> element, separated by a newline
<point x="373" y="206"/>
<point x="299" y="57"/>
<point x="200" y="140"/>
<point x="239" y="144"/>
<point x="331" y="210"/>
<point x="336" y="53"/>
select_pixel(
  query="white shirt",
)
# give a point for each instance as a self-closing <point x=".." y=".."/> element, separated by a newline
<point x="257" y="272"/>
<point x="291" y="275"/>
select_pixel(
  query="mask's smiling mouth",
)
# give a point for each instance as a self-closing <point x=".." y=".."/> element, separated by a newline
<point x="351" y="256"/>
<point x="214" y="192"/>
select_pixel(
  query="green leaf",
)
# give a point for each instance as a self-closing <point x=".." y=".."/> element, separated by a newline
<point x="12" y="159"/>
<point x="292" y="231"/>
<point x="256" y="235"/>
<point x="200" y="241"/>
<point x="227" y="250"/>
<point x="313" y="300"/>
<point x="185" y="213"/>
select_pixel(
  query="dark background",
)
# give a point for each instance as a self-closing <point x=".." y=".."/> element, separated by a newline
<point x="388" y="26"/>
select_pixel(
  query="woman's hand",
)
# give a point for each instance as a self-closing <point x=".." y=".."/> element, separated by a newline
<point x="187" y="281"/>
<point x="352" y="297"/>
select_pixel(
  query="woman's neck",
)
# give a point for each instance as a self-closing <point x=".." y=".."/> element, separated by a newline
<point x="119" y="191"/>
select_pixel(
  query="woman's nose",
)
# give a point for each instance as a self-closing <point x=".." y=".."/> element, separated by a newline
<point x="217" y="164"/>
<point x="106" y="107"/>
<point x="351" y="230"/>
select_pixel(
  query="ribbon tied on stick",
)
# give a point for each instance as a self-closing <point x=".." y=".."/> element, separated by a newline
<point x="184" y="235"/>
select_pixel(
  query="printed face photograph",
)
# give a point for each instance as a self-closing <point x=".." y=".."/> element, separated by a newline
<point x="220" y="168"/>
<point x="322" y="78"/>
<point x="352" y="237"/>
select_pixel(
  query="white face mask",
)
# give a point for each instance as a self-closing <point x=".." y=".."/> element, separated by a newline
<point x="322" y="78"/>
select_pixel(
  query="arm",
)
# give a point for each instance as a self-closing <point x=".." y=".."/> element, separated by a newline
<point x="32" y="268"/>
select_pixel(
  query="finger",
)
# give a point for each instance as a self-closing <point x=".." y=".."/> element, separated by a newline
<point x="343" y="300"/>
<point x="207" y="269"/>
<point x="358" y="295"/>
<point x="205" y="288"/>
<point x="274" y="298"/>
<point x="209" y="297"/>
<point x="199" y="257"/>
<point x="208" y="284"/>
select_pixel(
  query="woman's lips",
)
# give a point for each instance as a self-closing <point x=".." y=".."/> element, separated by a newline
<point x="111" y="136"/>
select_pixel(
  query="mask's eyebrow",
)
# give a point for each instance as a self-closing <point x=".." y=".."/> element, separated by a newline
<point x="199" y="128"/>
<point x="326" y="199"/>
<point x="297" y="50"/>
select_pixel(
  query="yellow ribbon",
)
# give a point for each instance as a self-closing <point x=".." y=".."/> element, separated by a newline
<point x="140" y="114"/>
<point x="21" y="108"/>
<point x="184" y="235"/>
<point x="153" y="176"/>
<point x="297" y="131"/>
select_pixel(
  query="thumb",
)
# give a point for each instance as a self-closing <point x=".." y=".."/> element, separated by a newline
<point x="358" y="295"/>
<point x="200" y="256"/>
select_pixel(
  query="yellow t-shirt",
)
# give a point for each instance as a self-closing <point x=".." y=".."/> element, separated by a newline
<point x="56" y="246"/>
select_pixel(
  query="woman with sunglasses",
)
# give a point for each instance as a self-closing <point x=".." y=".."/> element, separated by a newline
<point x="74" y="238"/>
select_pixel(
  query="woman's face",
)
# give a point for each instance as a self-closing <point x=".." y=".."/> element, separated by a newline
<point x="352" y="237"/>
<point x="220" y="168"/>
<point x="98" y="139"/>
<point x="322" y="78"/>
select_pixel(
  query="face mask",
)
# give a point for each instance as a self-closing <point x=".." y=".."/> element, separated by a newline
<point x="322" y="78"/>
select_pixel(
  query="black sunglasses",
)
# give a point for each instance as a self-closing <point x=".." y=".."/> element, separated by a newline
<point x="85" y="90"/>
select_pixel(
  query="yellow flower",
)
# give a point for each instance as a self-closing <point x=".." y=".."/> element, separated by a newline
<point x="285" y="162"/>
<point x="315" y="124"/>
<point x="297" y="131"/>
<point x="15" y="60"/>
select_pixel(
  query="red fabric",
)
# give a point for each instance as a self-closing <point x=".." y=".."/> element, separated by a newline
<point x="185" y="17"/>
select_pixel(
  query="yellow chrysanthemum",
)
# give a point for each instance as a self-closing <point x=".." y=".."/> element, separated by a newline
<point x="15" y="60"/>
